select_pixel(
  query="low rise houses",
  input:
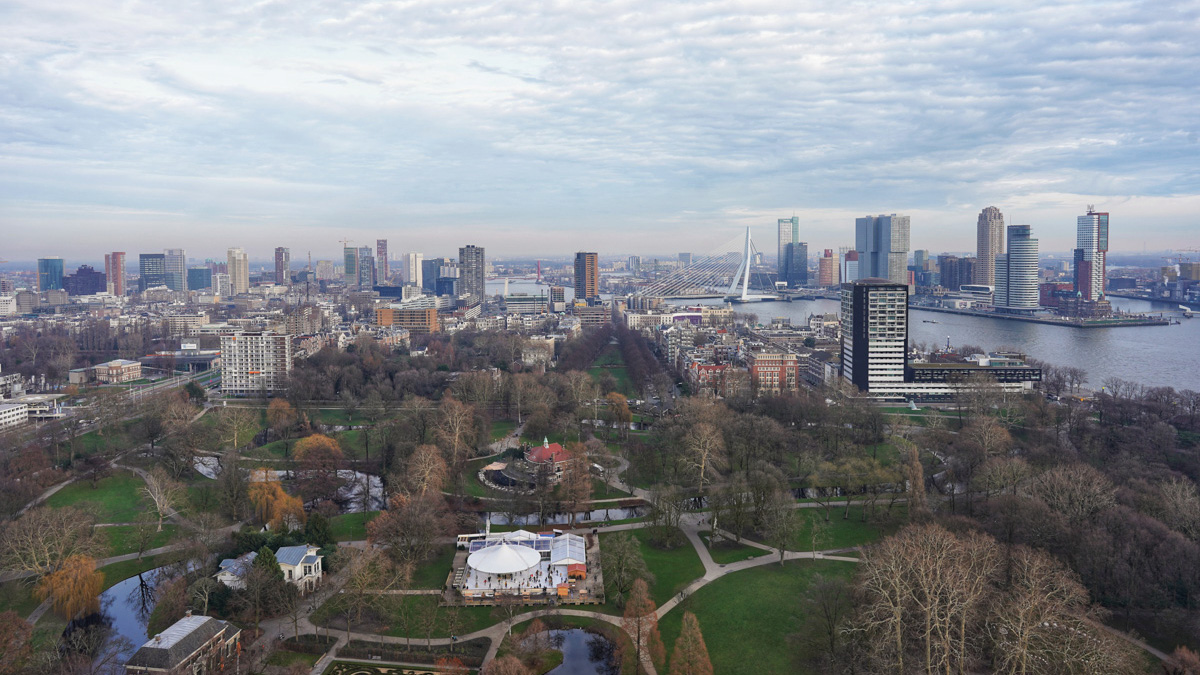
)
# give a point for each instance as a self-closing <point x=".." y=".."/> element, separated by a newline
<point x="195" y="645"/>
<point x="301" y="566"/>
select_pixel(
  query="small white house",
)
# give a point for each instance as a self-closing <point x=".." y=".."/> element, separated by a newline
<point x="232" y="571"/>
<point x="301" y="565"/>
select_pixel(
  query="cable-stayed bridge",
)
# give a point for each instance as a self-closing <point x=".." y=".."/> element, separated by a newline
<point x="724" y="272"/>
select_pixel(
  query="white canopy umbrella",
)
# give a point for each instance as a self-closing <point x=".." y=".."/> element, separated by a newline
<point x="503" y="559"/>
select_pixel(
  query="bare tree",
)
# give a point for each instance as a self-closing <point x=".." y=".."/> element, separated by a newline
<point x="42" y="539"/>
<point x="164" y="493"/>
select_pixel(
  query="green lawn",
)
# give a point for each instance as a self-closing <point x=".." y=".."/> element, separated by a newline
<point x="748" y="616"/>
<point x="841" y="532"/>
<point x="725" y="551"/>
<point x="673" y="570"/>
<point x="284" y="658"/>
<point x="469" y="619"/>
<point x="115" y="499"/>
<point x="335" y="417"/>
<point x="17" y="595"/>
<point x="351" y="526"/>
<point x="610" y="361"/>
<point x="123" y="539"/>
<point x="602" y="490"/>
<point x="502" y="429"/>
<point x="433" y="573"/>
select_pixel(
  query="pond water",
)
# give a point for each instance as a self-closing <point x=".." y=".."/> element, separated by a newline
<point x="595" y="517"/>
<point x="584" y="653"/>
<point x="125" y="609"/>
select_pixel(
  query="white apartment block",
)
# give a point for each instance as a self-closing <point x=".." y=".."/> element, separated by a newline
<point x="12" y="414"/>
<point x="254" y="363"/>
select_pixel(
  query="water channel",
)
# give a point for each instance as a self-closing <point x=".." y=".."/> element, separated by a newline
<point x="584" y="653"/>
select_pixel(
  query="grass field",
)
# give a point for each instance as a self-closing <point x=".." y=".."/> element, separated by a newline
<point x="725" y="551"/>
<point x="747" y="617"/>
<point x="335" y="417"/>
<point x="433" y="573"/>
<point x="351" y="526"/>
<point x="841" y="532"/>
<point x="450" y="620"/>
<point x="123" y="539"/>
<point x="673" y="570"/>
<point x="284" y="658"/>
<point x="610" y="361"/>
<point x="17" y="595"/>
<point x="502" y="429"/>
<point x="115" y="499"/>
<point x="602" y="490"/>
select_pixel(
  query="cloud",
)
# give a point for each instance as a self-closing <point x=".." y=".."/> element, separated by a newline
<point x="542" y="127"/>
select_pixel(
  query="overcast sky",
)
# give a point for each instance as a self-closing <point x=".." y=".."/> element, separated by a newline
<point x="630" y="126"/>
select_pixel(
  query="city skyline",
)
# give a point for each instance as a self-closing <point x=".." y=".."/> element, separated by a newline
<point x="287" y="125"/>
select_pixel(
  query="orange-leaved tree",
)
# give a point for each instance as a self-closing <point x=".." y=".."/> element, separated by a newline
<point x="74" y="589"/>
<point x="691" y="655"/>
<point x="641" y="622"/>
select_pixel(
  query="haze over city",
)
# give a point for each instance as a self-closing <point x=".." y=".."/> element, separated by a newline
<point x="535" y="128"/>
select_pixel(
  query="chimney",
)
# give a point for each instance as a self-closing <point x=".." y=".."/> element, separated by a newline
<point x="188" y="613"/>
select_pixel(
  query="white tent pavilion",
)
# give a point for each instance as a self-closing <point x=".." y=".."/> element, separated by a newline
<point x="504" y="559"/>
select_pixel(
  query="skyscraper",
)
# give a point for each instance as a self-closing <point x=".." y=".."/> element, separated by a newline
<point x="472" y="272"/>
<point x="795" y="270"/>
<point x="114" y="272"/>
<point x="350" y="266"/>
<point x="587" y="276"/>
<point x="874" y="332"/>
<point x="789" y="232"/>
<point x="1091" y="254"/>
<point x="199" y="278"/>
<point x="152" y="270"/>
<point x="383" y="274"/>
<point x="989" y="242"/>
<point x="175" y="269"/>
<point x="238" y="267"/>
<point x="430" y="271"/>
<point x="50" y="274"/>
<point x="686" y="259"/>
<point x="366" y="268"/>
<point x="634" y="263"/>
<point x="882" y="245"/>
<point x="1017" y="273"/>
<point x="283" y="265"/>
<point x="827" y="269"/>
<point x="412" y="269"/>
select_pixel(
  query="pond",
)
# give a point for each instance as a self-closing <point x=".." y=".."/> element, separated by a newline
<point x="125" y="609"/>
<point x="584" y="653"/>
<point x="596" y="517"/>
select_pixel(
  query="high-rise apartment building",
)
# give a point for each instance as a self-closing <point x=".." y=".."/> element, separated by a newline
<point x="152" y="270"/>
<point x="587" y="277"/>
<point x="221" y="285"/>
<point x="114" y="272"/>
<point x="954" y="272"/>
<point x="175" y="269"/>
<point x="827" y="270"/>
<point x="412" y="269"/>
<point x="255" y="363"/>
<point x="50" y="274"/>
<point x="882" y="245"/>
<point x="383" y="273"/>
<point x="686" y="259"/>
<point x="989" y="244"/>
<point x="238" y="265"/>
<point x="634" y="263"/>
<point x="283" y="265"/>
<point x="325" y="270"/>
<point x="789" y="233"/>
<point x="874" y="332"/>
<point x="472" y="272"/>
<point x="1091" y="253"/>
<point x="350" y="266"/>
<point x="1017" y="273"/>
<point x="85" y="281"/>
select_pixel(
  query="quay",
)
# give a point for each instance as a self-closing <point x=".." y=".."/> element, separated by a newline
<point x="1066" y="323"/>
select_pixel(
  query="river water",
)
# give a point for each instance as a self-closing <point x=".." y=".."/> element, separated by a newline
<point x="1150" y="355"/>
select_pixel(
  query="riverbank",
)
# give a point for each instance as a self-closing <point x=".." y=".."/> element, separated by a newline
<point x="1065" y="323"/>
<point x="1132" y="296"/>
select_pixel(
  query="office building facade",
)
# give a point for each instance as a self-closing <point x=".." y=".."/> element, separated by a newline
<point x="795" y="269"/>
<point x="587" y="277"/>
<point x="430" y="271"/>
<point x="238" y="266"/>
<point x="50" y="274"/>
<point x="1017" y="273"/>
<point x="175" y="269"/>
<point x="989" y="244"/>
<point x="1091" y="253"/>
<point x="827" y="270"/>
<point x="472" y="272"/>
<point x="199" y="278"/>
<point x="152" y="270"/>
<point x="789" y="232"/>
<point x="85" y="281"/>
<point x="882" y="245"/>
<point x="365" y="267"/>
<point x="874" y="332"/>
<point x="283" y="265"/>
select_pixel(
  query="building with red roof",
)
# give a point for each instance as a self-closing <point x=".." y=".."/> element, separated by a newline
<point x="547" y="452"/>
